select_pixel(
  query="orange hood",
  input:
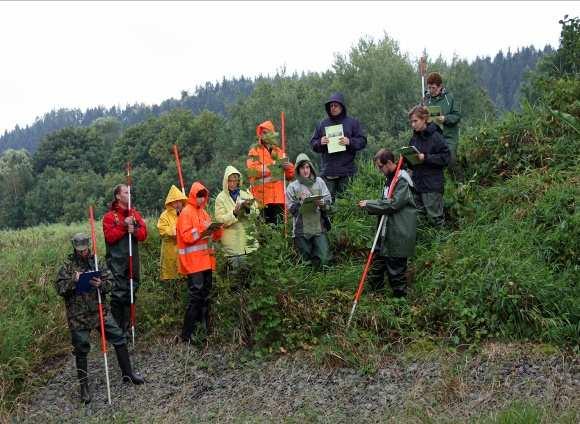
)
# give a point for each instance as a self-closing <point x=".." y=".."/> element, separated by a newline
<point x="196" y="187"/>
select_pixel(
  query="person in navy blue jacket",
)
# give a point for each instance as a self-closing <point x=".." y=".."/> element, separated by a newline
<point x="428" y="175"/>
<point x="338" y="168"/>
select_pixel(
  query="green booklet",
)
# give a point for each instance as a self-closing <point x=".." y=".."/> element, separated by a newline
<point x="411" y="154"/>
<point x="433" y="112"/>
<point x="334" y="133"/>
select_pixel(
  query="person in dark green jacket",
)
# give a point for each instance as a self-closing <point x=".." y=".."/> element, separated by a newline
<point x="398" y="232"/>
<point x="438" y="98"/>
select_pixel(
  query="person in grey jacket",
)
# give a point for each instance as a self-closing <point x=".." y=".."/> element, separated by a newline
<point x="398" y="232"/>
<point x="309" y="219"/>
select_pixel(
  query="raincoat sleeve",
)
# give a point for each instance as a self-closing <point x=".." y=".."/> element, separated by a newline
<point x="106" y="278"/>
<point x="315" y="140"/>
<point x="289" y="172"/>
<point x="255" y="168"/>
<point x="440" y="155"/>
<point x="454" y="115"/>
<point x="358" y="139"/>
<point x="166" y="226"/>
<point x="293" y="199"/>
<point x="326" y="193"/>
<point x="189" y="232"/>
<point x="65" y="285"/>
<point x="140" y="227"/>
<point x="223" y="211"/>
<point x="113" y="231"/>
<point x="389" y="206"/>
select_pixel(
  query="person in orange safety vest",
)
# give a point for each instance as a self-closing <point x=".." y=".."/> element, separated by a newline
<point x="267" y="164"/>
<point x="196" y="258"/>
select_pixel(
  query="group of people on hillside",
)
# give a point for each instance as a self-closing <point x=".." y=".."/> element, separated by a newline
<point x="187" y="229"/>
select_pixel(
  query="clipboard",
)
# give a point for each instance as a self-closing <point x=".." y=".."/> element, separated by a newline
<point x="84" y="285"/>
<point x="311" y="199"/>
<point x="411" y="154"/>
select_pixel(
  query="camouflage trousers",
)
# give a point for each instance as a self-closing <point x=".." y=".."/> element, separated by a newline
<point x="81" y="338"/>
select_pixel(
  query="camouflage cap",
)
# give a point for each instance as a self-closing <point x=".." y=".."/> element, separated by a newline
<point x="80" y="241"/>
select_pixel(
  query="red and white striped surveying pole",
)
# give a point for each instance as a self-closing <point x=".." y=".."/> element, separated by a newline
<point x="423" y="72"/>
<point x="178" y="164"/>
<point x="101" y="313"/>
<point x="371" y="253"/>
<point x="283" y="133"/>
<point x="132" y="311"/>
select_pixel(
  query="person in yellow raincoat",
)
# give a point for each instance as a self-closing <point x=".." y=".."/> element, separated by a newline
<point x="233" y="208"/>
<point x="166" y="225"/>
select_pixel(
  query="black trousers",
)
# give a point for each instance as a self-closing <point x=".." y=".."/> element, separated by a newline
<point x="394" y="268"/>
<point x="273" y="214"/>
<point x="199" y="287"/>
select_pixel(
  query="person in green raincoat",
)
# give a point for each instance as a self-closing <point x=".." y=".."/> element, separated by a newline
<point x="166" y="225"/>
<point x="438" y="98"/>
<point x="398" y="232"/>
<point x="309" y="200"/>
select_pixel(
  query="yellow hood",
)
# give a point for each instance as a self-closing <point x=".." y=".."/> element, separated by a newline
<point x="173" y="195"/>
<point x="229" y="171"/>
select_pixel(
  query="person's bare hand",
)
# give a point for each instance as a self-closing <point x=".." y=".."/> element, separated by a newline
<point x="421" y="156"/>
<point x="344" y="141"/>
<point x="95" y="282"/>
<point x="324" y="140"/>
<point x="77" y="276"/>
<point x="362" y="203"/>
<point x="131" y="228"/>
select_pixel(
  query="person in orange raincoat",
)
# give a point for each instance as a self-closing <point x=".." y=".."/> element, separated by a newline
<point x="267" y="164"/>
<point x="166" y="225"/>
<point x="196" y="258"/>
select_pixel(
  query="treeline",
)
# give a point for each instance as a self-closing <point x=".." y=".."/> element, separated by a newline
<point x="503" y="76"/>
<point x="500" y="77"/>
<point x="212" y="96"/>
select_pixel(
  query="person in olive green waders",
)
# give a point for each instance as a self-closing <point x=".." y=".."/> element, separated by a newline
<point x="83" y="314"/>
<point x="446" y="114"/>
<point x="309" y="200"/>
<point x="398" y="234"/>
<point x="118" y="223"/>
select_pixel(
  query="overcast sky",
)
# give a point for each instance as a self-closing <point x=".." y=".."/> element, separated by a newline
<point x="77" y="55"/>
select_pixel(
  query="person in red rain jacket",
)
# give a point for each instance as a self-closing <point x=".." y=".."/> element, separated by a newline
<point x="118" y="223"/>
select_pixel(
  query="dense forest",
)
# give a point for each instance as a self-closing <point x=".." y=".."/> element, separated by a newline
<point x="501" y="78"/>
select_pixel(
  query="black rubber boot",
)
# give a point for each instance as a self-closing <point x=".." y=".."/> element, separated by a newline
<point x="205" y="322"/>
<point x="190" y="320"/>
<point x="125" y="365"/>
<point x="83" y="376"/>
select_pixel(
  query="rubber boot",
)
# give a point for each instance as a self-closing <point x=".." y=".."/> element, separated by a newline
<point x="190" y="320"/>
<point x="82" y="373"/>
<point x="205" y="323"/>
<point x="125" y="365"/>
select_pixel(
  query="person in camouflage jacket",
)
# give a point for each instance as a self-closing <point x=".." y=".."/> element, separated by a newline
<point x="82" y="311"/>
